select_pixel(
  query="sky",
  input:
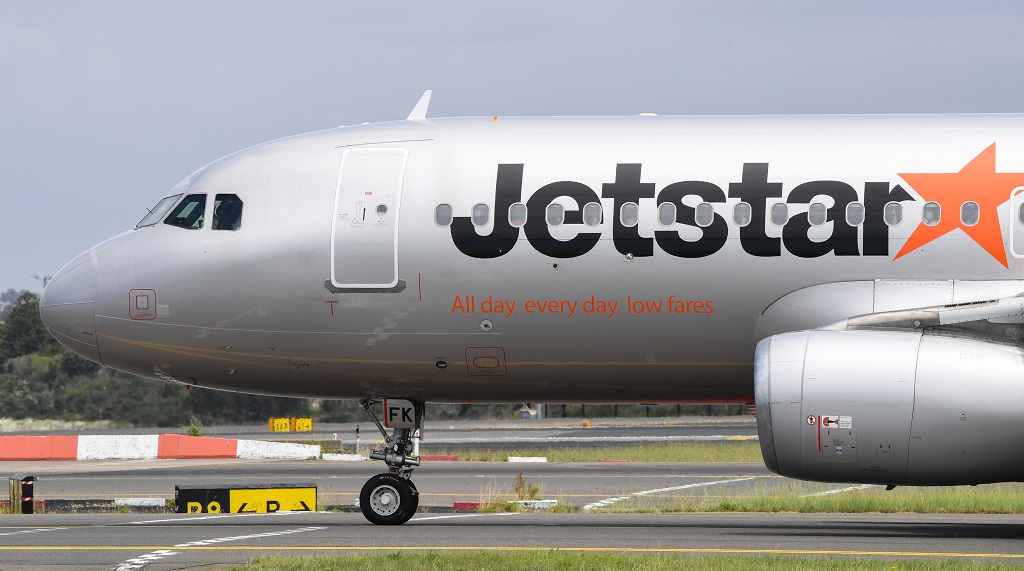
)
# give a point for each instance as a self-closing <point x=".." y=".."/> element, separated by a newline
<point x="104" y="106"/>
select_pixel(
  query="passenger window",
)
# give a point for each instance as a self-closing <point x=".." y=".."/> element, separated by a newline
<point x="854" y="214"/>
<point x="481" y="214"/>
<point x="554" y="214"/>
<point x="517" y="215"/>
<point x="892" y="213"/>
<point x="629" y="214"/>
<point x="970" y="213"/>
<point x="158" y="211"/>
<point x="592" y="214"/>
<point x="741" y="214"/>
<point x="666" y="214"/>
<point x="704" y="215"/>
<point x="780" y="213"/>
<point x="227" y="212"/>
<point x="188" y="214"/>
<point x="817" y="214"/>
<point x="931" y="213"/>
<point x="1020" y="214"/>
<point x="443" y="215"/>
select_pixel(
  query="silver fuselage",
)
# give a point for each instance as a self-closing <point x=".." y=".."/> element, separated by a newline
<point x="304" y="300"/>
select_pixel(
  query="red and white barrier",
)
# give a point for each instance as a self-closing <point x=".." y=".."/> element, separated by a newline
<point x="147" y="447"/>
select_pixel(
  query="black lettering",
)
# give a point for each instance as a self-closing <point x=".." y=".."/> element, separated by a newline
<point x="508" y="189"/>
<point x="843" y="240"/>
<point x="392" y="413"/>
<point x="755" y="190"/>
<point x="273" y="506"/>
<point x="628" y="188"/>
<point x="876" y="231"/>
<point x="405" y="415"/>
<point x="537" y="227"/>
<point x="714" y="236"/>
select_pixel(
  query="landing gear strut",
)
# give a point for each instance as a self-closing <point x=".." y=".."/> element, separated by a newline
<point x="391" y="498"/>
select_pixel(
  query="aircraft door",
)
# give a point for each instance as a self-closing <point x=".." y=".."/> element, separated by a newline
<point x="1016" y="220"/>
<point x="364" y="235"/>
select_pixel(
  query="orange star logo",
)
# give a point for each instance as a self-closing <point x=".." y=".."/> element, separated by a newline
<point x="979" y="182"/>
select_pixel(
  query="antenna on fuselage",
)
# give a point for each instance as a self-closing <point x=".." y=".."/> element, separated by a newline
<point x="419" y="113"/>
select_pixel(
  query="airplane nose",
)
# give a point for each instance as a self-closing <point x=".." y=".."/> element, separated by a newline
<point x="68" y="307"/>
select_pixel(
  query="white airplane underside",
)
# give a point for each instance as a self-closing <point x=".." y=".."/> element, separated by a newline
<point x="855" y="276"/>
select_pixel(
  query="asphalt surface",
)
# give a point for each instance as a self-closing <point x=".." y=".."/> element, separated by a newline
<point x="440" y="484"/>
<point x="126" y="541"/>
<point x="471" y="435"/>
<point x="162" y="541"/>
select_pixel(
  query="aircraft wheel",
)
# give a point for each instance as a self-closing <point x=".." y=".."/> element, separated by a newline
<point x="413" y="505"/>
<point x="387" y="499"/>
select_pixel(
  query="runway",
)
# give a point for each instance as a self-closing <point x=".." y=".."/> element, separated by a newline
<point x="124" y="541"/>
<point x="440" y="483"/>
<point x="161" y="541"/>
<point x="183" y="541"/>
<point x="504" y="435"/>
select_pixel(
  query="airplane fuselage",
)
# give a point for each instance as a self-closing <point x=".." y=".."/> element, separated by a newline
<point x="349" y="278"/>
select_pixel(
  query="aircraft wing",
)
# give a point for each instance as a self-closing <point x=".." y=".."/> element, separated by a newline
<point x="994" y="320"/>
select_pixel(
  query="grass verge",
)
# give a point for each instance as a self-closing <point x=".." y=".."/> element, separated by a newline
<point x="727" y="451"/>
<point x="575" y="560"/>
<point x="988" y="499"/>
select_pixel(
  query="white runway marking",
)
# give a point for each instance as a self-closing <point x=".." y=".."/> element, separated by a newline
<point x="40" y="530"/>
<point x="461" y="515"/>
<point x="141" y="561"/>
<point x="610" y="501"/>
<point x="181" y="519"/>
<point x="203" y="542"/>
<point x="839" y="491"/>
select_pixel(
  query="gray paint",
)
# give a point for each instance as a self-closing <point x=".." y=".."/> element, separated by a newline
<point x="265" y="309"/>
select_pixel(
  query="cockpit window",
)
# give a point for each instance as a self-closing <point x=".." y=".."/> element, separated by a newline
<point x="227" y="212"/>
<point x="158" y="211"/>
<point x="188" y="214"/>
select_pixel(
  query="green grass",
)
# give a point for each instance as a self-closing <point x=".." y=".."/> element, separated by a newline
<point x="987" y="499"/>
<point x="728" y="451"/>
<point x="195" y="426"/>
<point x="412" y="560"/>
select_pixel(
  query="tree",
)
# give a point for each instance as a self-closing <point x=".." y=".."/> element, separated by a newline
<point x="10" y="296"/>
<point x="23" y="332"/>
<point x="74" y="366"/>
<point x="7" y="300"/>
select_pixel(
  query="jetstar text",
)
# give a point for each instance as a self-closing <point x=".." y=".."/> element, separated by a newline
<point x="753" y="188"/>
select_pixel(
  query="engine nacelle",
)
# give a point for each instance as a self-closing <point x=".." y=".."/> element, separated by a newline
<point x="890" y="407"/>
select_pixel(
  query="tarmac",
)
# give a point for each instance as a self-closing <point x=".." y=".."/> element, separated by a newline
<point x="84" y="527"/>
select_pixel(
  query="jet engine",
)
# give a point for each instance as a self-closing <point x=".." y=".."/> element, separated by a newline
<point x="890" y="407"/>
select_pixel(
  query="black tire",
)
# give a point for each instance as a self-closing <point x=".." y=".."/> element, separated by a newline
<point x="413" y="505"/>
<point x="387" y="499"/>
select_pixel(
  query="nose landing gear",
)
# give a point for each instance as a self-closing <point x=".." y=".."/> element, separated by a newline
<point x="392" y="498"/>
<point x="387" y="499"/>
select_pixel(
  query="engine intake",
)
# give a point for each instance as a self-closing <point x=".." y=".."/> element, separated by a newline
<point x="890" y="407"/>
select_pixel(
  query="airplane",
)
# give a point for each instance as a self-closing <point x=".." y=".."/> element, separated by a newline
<point x="858" y="278"/>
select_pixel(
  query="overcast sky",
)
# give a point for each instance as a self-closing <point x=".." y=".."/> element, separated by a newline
<point x="104" y="106"/>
